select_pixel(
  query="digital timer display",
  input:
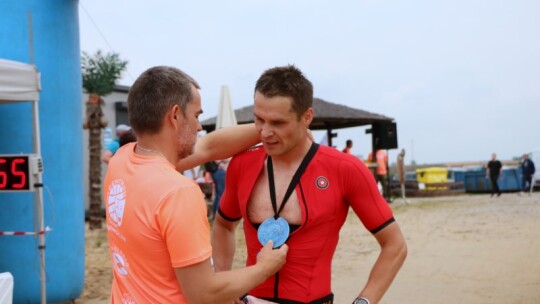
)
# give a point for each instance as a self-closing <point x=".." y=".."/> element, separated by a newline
<point x="15" y="173"/>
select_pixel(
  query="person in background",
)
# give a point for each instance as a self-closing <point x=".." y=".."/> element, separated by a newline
<point x="298" y="193"/>
<point x="348" y="147"/>
<point x="158" y="230"/>
<point x="217" y="172"/>
<point x="493" y="172"/>
<point x="113" y="146"/>
<point x="382" y="169"/>
<point x="527" y="173"/>
<point x="126" y="138"/>
<point x="191" y="173"/>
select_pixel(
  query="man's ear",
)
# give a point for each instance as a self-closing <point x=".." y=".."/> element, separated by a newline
<point x="308" y="116"/>
<point x="174" y="116"/>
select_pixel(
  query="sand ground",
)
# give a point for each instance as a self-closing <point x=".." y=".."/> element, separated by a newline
<point x="462" y="249"/>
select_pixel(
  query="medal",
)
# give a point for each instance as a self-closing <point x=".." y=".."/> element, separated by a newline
<point x="273" y="229"/>
<point x="276" y="228"/>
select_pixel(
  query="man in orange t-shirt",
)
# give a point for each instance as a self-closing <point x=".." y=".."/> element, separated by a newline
<point x="159" y="235"/>
<point x="382" y="169"/>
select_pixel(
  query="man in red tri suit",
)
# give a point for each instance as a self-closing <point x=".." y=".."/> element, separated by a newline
<point x="293" y="191"/>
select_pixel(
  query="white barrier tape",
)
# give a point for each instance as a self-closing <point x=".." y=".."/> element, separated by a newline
<point x="47" y="229"/>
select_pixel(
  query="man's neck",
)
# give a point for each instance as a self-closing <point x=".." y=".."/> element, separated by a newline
<point x="295" y="156"/>
<point x="157" y="146"/>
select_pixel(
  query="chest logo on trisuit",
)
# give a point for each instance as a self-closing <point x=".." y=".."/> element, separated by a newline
<point x="321" y="182"/>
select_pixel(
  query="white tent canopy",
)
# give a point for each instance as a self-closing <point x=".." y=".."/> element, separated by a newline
<point x="18" y="82"/>
<point x="226" y="117"/>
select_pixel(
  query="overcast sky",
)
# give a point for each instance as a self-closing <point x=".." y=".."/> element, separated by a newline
<point x="461" y="78"/>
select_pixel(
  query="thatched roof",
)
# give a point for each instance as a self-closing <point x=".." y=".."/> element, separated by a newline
<point x="327" y="116"/>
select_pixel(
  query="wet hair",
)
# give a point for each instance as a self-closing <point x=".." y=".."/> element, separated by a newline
<point x="287" y="81"/>
<point x="154" y="92"/>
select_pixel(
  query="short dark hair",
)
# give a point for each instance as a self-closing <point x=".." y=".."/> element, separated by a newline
<point x="348" y="142"/>
<point x="154" y="93"/>
<point x="287" y="81"/>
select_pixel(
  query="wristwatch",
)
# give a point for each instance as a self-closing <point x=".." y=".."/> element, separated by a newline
<point x="361" y="300"/>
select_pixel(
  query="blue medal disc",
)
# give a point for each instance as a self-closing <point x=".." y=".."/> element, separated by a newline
<point x="273" y="229"/>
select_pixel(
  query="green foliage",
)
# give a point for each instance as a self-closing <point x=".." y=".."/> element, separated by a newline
<point x="100" y="72"/>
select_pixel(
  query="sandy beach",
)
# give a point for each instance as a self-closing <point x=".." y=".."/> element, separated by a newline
<point x="464" y="249"/>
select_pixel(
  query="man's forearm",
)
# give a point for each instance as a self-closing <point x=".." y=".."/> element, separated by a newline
<point x="385" y="269"/>
<point x="220" y="144"/>
<point x="201" y="285"/>
<point x="226" y="142"/>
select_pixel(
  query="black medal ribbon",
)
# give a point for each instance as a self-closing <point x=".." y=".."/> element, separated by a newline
<point x="276" y="228"/>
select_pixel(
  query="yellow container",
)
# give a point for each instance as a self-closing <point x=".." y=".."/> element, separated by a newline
<point x="432" y="175"/>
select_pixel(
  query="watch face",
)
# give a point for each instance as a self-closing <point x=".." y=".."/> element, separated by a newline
<point x="360" y="301"/>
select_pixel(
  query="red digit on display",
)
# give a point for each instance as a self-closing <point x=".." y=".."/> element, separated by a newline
<point x="3" y="175"/>
<point x="18" y="173"/>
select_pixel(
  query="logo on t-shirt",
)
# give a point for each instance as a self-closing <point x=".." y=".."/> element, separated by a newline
<point x="322" y="182"/>
<point x="119" y="261"/>
<point x="116" y="201"/>
<point x="127" y="299"/>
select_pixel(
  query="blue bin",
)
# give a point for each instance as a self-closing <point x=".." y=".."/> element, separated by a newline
<point x="456" y="175"/>
<point x="510" y="180"/>
<point x="55" y="31"/>
<point x="476" y="181"/>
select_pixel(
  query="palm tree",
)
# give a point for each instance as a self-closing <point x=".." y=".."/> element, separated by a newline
<point x="99" y="74"/>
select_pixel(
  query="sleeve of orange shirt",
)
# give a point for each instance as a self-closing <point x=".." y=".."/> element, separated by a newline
<point x="184" y="226"/>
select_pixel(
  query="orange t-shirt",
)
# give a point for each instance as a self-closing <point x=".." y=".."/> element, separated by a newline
<point x="156" y="221"/>
<point x="382" y="160"/>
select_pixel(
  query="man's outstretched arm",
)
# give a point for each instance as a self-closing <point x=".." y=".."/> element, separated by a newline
<point x="220" y="144"/>
<point x="201" y="285"/>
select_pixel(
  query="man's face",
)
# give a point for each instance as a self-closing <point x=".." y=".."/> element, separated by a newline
<point x="189" y="126"/>
<point x="279" y="128"/>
